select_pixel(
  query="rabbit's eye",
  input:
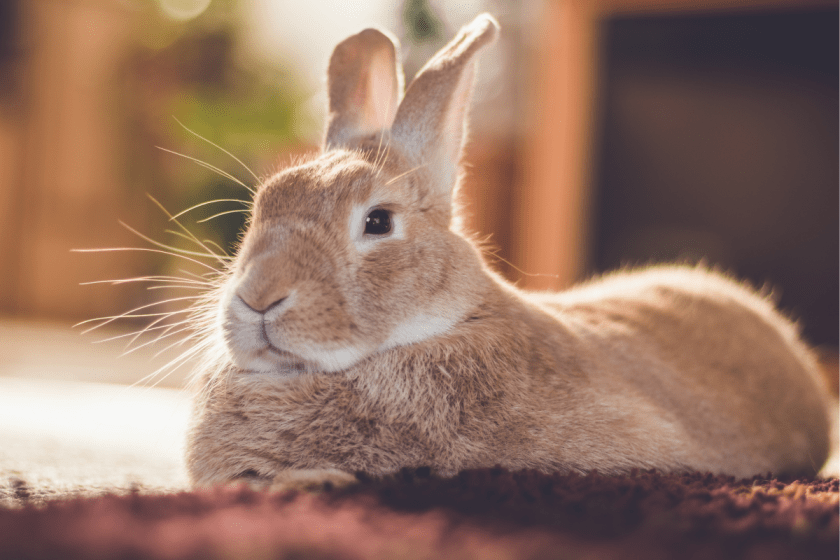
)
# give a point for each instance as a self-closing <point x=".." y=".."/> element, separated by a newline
<point x="378" y="222"/>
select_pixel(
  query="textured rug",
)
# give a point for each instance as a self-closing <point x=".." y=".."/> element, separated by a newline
<point x="486" y="513"/>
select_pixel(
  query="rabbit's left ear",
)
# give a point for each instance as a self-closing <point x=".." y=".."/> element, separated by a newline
<point x="431" y="119"/>
<point x="365" y="83"/>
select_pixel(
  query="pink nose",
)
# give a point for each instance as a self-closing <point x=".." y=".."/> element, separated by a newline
<point x="260" y="307"/>
<point x="264" y="284"/>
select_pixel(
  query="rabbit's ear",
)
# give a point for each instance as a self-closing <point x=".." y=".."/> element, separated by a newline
<point x="365" y="85"/>
<point x="431" y="121"/>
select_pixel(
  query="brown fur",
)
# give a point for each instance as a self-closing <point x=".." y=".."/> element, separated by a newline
<point x="407" y="350"/>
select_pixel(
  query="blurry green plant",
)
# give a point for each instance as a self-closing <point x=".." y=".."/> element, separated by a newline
<point x="421" y="22"/>
<point x="255" y="121"/>
<point x="422" y="33"/>
<point x="197" y="72"/>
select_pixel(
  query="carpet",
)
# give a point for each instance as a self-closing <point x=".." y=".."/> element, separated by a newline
<point x="484" y="513"/>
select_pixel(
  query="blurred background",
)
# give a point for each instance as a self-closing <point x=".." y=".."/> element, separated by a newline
<point x="604" y="133"/>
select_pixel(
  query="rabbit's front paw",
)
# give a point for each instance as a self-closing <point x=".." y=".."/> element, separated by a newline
<point x="314" y="481"/>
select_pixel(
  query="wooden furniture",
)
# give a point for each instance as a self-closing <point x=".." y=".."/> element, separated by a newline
<point x="552" y="233"/>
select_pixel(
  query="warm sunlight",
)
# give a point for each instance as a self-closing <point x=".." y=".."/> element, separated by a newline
<point x="59" y="431"/>
<point x="419" y="279"/>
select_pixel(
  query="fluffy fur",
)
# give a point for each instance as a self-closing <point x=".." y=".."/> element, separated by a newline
<point x="348" y="351"/>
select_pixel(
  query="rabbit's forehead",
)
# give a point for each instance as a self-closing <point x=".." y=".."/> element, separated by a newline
<point x="318" y="189"/>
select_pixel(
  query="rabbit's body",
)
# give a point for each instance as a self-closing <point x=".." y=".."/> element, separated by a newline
<point x="352" y="349"/>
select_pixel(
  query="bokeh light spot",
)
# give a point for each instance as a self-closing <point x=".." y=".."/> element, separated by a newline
<point x="183" y="10"/>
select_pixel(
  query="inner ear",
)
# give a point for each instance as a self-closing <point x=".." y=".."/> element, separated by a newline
<point x="431" y="120"/>
<point x="365" y="86"/>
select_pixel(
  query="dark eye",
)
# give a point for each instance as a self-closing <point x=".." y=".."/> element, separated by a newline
<point x="378" y="222"/>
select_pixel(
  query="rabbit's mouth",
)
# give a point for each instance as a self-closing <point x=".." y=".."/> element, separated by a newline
<point x="271" y="359"/>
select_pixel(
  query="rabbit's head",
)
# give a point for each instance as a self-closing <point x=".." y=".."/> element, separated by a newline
<point x="354" y="252"/>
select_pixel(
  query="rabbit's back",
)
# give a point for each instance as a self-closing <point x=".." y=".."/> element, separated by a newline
<point x="709" y="354"/>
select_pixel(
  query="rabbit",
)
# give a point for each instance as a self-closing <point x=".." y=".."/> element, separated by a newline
<point x="359" y="329"/>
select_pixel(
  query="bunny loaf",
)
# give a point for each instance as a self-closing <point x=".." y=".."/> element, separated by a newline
<point x="359" y="330"/>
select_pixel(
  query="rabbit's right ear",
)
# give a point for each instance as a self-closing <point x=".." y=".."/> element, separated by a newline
<point x="431" y="121"/>
<point x="365" y="83"/>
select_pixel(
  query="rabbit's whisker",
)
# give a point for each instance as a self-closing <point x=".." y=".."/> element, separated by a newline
<point x="379" y="163"/>
<point x="137" y="334"/>
<point x="168" y="313"/>
<point x="379" y="149"/>
<point x="221" y="172"/>
<point x="129" y="313"/>
<point x="217" y="246"/>
<point x="146" y="329"/>
<point x="176" y="286"/>
<point x="153" y="326"/>
<point x="175" y="344"/>
<point x="180" y="225"/>
<point x="248" y="169"/>
<point x="495" y="255"/>
<point x="245" y="210"/>
<point x="211" y="255"/>
<point x="191" y="208"/>
<point x="170" y="367"/>
<point x="201" y="277"/>
<point x="163" y="335"/>
<point x="144" y="249"/>
<point x="401" y="175"/>
<point x="221" y="255"/>
<point x="173" y="279"/>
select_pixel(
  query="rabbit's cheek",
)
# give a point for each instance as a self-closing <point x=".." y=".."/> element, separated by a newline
<point x="419" y="328"/>
<point x="319" y="330"/>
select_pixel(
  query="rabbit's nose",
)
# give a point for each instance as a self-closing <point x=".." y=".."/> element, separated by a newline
<point x="259" y="306"/>
<point x="265" y="285"/>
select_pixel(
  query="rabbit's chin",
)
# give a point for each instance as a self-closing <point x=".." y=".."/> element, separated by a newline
<point x="267" y="358"/>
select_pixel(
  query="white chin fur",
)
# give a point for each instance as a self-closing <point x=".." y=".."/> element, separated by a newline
<point x="334" y="360"/>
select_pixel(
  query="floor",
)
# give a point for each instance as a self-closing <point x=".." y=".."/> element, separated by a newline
<point x="72" y="422"/>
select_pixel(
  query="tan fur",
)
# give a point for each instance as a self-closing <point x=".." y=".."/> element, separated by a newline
<point x="350" y="352"/>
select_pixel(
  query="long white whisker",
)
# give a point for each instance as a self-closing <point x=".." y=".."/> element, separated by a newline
<point x="128" y="313"/>
<point x="381" y="137"/>
<point x="135" y="316"/>
<point x="221" y="214"/>
<point x="152" y="326"/>
<point x="401" y="175"/>
<point x="182" y="212"/>
<point x="172" y="366"/>
<point x="176" y="279"/>
<point x="149" y="328"/>
<point x="222" y="254"/>
<point x="176" y="287"/>
<point x="174" y="344"/>
<point x="145" y="249"/>
<point x="248" y="169"/>
<point x="165" y="334"/>
<point x="198" y="276"/>
<point x="180" y="225"/>
<point x="219" y="247"/>
<point x="209" y="255"/>
<point x="210" y="167"/>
